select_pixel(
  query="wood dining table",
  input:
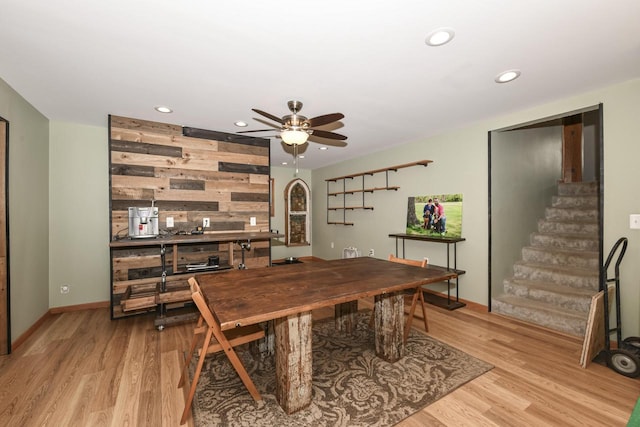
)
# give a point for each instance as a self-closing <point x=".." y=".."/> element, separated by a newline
<point x="288" y="294"/>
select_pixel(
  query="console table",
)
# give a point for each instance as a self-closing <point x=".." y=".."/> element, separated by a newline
<point x="168" y="288"/>
<point x="429" y="297"/>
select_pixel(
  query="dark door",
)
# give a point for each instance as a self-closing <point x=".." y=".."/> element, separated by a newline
<point x="5" y="332"/>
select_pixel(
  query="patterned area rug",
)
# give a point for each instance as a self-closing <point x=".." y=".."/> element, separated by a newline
<point x="351" y="386"/>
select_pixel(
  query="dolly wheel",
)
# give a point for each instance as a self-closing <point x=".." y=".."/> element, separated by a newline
<point x="624" y="362"/>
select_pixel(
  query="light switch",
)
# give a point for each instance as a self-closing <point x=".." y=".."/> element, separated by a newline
<point x="634" y="221"/>
<point x="252" y="220"/>
<point x="169" y="221"/>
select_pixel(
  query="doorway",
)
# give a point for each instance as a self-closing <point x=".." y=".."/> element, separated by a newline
<point x="526" y="163"/>
<point x="5" y="323"/>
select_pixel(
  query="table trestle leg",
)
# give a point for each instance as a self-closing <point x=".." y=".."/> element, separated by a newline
<point x="345" y="316"/>
<point x="293" y="361"/>
<point x="389" y="326"/>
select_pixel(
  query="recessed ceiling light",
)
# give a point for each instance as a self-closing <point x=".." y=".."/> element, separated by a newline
<point x="440" y="36"/>
<point x="284" y="163"/>
<point x="241" y="124"/>
<point x="323" y="148"/>
<point x="301" y="156"/>
<point x="163" y="109"/>
<point x="507" y="76"/>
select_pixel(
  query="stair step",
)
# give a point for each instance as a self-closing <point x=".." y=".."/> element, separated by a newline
<point x="589" y="228"/>
<point x="579" y="201"/>
<point x="553" y="256"/>
<point x="565" y="241"/>
<point x="573" y="214"/>
<point x="578" y="299"/>
<point x="564" y="320"/>
<point x="577" y="188"/>
<point x="561" y="275"/>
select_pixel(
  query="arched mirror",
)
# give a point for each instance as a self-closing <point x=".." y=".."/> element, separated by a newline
<point x="297" y="202"/>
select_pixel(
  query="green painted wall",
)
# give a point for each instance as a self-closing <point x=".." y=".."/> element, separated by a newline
<point x="525" y="168"/>
<point x="28" y="209"/>
<point x="78" y="214"/>
<point x="38" y="244"/>
<point x="460" y="166"/>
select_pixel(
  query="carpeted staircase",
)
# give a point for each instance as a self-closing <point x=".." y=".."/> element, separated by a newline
<point x="553" y="283"/>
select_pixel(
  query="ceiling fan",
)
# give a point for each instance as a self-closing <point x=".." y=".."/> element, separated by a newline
<point x="295" y="128"/>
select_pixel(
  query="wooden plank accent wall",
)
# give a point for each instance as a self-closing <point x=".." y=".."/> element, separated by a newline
<point x="190" y="174"/>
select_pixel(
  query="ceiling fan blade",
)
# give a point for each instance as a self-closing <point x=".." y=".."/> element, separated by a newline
<point x="327" y="134"/>
<point x="329" y="142"/>
<point x="325" y="120"/>
<point x="268" y="123"/>
<point x="257" y="130"/>
<point x="269" y="116"/>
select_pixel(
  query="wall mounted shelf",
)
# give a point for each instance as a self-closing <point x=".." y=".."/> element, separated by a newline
<point x="351" y="191"/>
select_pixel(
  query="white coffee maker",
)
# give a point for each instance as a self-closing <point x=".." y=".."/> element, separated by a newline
<point x="143" y="222"/>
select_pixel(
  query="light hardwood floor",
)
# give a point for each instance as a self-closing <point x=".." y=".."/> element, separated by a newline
<point x="82" y="369"/>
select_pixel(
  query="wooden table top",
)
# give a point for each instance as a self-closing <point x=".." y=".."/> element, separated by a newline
<point x="245" y="297"/>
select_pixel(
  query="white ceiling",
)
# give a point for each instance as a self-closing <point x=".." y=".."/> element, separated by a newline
<point x="212" y="61"/>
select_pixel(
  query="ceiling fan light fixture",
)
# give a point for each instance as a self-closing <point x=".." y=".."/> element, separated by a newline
<point x="294" y="137"/>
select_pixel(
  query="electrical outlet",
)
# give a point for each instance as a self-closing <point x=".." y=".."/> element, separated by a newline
<point x="205" y="222"/>
<point x="64" y="289"/>
<point x="634" y="221"/>
<point x="372" y="252"/>
<point x="252" y="220"/>
<point x="169" y="221"/>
